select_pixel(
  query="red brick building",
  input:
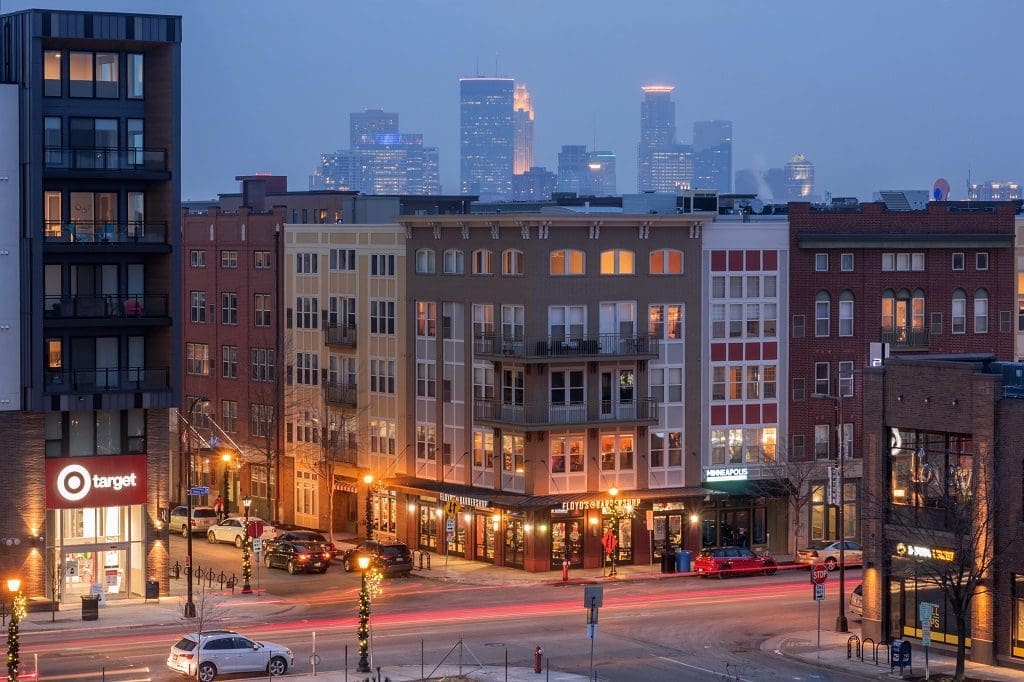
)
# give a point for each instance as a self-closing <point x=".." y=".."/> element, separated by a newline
<point x="865" y="281"/>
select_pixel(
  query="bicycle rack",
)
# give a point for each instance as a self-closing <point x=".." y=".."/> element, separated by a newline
<point x="888" y="651"/>
<point x="864" y="648"/>
<point x="853" y="644"/>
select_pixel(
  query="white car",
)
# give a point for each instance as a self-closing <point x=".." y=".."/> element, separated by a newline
<point x="827" y="552"/>
<point x="202" y="519"/>
<point x="233" y="530"/>
<point x="857" y="600"/>
<point x="227" y="652"/>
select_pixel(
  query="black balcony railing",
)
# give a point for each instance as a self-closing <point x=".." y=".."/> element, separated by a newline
<point x="336" y="393"/>
<point x="905" y="337"/>
<point x="100" y="379"/>
<point x="106" y="158"/>
<point x="642" y="410"/>
<point x="99" y="232"/>
<point x="340" y="335"/>
<point x="595" y="345"/>
<point x="113" y="306"/>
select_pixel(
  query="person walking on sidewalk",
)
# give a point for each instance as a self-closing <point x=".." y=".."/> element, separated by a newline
<point x="218" y="507"/>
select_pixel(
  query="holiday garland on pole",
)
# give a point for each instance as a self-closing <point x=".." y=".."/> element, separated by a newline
<point x="18" y="611"/>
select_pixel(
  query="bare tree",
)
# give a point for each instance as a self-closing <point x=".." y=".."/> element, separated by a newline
<point x="210" y="610"/>
<point x="794" y="481"/>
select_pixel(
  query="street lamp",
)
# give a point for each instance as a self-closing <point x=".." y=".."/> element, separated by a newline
<point x="17" y="614"/>
<point x="226" y="458"/>
<point x="363" y="634"/>
<point x="190" y="606"/>
<point x="368" y="480"/>
<point x="246" y="544"/>
<point x="841" y="623"/>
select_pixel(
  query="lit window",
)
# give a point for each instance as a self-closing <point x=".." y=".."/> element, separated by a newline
<point x="567" y="262"/>
<point x="617" y="262"/>
<point x="483" y="262"/>
<point x="666" y="262"/>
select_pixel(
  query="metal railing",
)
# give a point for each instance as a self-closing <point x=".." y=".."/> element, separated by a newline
<point x="106" y="158"/>
<point x="111" y="306"/>
<point x="592" y="345"/>
<point x="337" y="393"/>
<point x="645" y="409"/>
<point x="338" y="335"/>
<point x="99" y="379"/>
<point x="99" y="232"/>
<point x="905" y="337"/>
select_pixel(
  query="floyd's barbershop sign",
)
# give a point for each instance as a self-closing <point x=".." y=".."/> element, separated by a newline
<point x="103" y="481"/>
<point x="580" y="505"/>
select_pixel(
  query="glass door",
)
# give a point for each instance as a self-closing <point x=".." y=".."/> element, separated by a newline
<point x="428" y="528"/>
<point x="484" y="527"/>
<point x="515" y="543"/>
<point x="567" y="543"/>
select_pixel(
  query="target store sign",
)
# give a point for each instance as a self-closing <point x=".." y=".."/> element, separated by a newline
<point x="102" y="481"/>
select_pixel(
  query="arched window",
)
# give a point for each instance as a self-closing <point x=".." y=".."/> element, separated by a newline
<point x="618" y="262"/>
<point x="846" y="313"/>
<point x="483" y="262"/>
<point x="822" y="313"/>
<point x="958" y="312"/>
<point x="425" y="262"/>
<point x="567" y="262"/>
<point x="981" y="312"/>
<point x="888" y="310"/>
<point x="511" y="262"/>
<point x="454" y="262"/>
<point x="666" y="262"/>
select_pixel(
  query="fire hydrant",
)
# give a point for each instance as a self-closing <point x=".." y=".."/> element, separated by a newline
<point x="538" y="654"/>
<point x="565" y="570"/>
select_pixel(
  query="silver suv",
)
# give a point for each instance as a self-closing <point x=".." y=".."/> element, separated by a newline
<point x="227" y="652"/>
<point x="202" y="519"/>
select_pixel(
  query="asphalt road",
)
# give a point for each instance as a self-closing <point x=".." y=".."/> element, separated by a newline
<point x="648" y="630"/>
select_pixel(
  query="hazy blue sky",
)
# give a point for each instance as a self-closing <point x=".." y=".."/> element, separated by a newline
<point x="879" y="94"/>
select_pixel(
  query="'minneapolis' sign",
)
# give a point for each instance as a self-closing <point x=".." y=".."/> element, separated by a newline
<point x="103" y="481"/>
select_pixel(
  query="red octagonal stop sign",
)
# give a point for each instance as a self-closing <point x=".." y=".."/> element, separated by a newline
<point x="819" y="574"/>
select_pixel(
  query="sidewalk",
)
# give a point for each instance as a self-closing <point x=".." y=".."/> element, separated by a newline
<point x="447" y="672"/>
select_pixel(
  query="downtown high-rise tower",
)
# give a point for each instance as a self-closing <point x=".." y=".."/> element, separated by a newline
<point x="486" y="137"/>
<point x="663" y="165"/>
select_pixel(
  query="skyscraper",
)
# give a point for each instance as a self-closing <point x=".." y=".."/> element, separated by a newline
<point x="799" y="179"/>
<point x="573" y="169"/>
<point x="663" y="165"/>
<point x="523" y="117"/>
<point x="486" y="137"/>
<point x="365" y="125"/>
<point x="603" y="182"/>
<point x="712" y="155"/>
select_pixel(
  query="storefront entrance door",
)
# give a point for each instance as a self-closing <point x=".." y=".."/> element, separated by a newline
<point x="515" y="543"/>
<point x="105" y="567"/>
<point x="567" y="543"/>
<point x="484" y="538"/>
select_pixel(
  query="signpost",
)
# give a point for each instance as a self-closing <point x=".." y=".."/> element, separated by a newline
<point x="819" y="574"/>
<point x="593" y="599"/>
<point x="926" y="612"/>
<point x="196" y="491"/>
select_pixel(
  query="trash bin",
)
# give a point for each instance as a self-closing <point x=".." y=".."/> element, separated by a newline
<point x="152" y="590"/>
<point x="683" y="561"/>
<point x="90" y="607"/>
<point x="668" y="562"/>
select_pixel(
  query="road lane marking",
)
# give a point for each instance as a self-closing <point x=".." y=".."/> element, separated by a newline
<point x="703" y="670"/>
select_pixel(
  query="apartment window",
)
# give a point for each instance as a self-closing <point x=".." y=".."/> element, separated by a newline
<point x="513" y="322"/>
<point x="936" y="325"/>
<point x="567" y="262"/>
<point x="107" y="80"/>
<point x="822" y="441"/>
<point x="81" y="74"/>
<point x="426" y="318"/>
<point x="753" y="286"/>
<point x="958" y="312"/>
<point x="382" y="265"/>
<point x="307" y="369"/>
<point x="483" y="382"/>
<point x="426" y="442"/>
<point x="753" y="382"/>
<point x="981" y="261"/>
<point x="846" y="262"/>
<point x="735" y="320"/>
<point x="454" y="262"/>
<point x="567" y="387"/>
<point x="718" y="286"/>
<point x="512" y="387"/>
<point x="483" y="449"/>
<point x="136" y="76"/>
<point x="1005" y="321"/>
<point x="666" y="262"/>
<point x="674" y="385"/>
<point x="197" y="258"/>
<point x="735" y="286"/>
<point x="846" y="314"/>
<point x="198" y="307"/>
<point x="821" y="262"/>
<point x="736" y="382"/>
<point x="229" y="415"/>
<point x="229" y="258"/>
<point x="770" y="284"/>
<point x="822" y="313"/>
<point x="382" y="376"/>
<point x="197" y="359"/>
<point x="262" y="362"/>
<point x="306" y="263"/>
<point x="52" y="77"/>
<point x="307" y="312"/>
<point x="752" y="320"/>
<point x="425" y="264"/>
<point x="769" y="381"/>
<point x="665" y="321"/>
<point x="718" y="320"/>
<point x="770" y="316"/>
<point x="483" y="320"/>
<point x="846" y="378"/>
<point x="566" y="322"/>
<point x="53" y="141"/>
<point x="798" y="326"/>
<point x="958" y="261"/>
<point x="229" y="362"/>
<point x="382" y="436"/>
<point x="798" y="446"/>
<point x="426" y="379"/>
<point x="513" y="454"/>
<point x="342" y="312"/>
<point x="483" y="262"/>
<point x="822" y="378"/>
<point x="261" y="309"/>
<point x="618" y="262"/>
<point x="980" y="311"/>
<point x="228" y="308"/>
<point x="342" y="259"/>
<point x="718" y="382"/>
<point x="261" y="260"/>
<point x="261" y="419"/>
<point x="382" y="317"/>
<point x="902" y="262"/>
<point x="617" y="452"/>
<point x="666" y="448"/>
<point x="512" y="261"/>
<point x="567" y="454"/>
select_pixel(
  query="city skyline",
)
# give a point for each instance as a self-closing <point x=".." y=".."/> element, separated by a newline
<point x="845" y="109"/>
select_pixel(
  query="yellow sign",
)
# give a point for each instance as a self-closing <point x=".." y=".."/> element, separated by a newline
<point x="452" y="509"/>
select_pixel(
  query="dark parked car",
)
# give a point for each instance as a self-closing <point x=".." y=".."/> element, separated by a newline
<point x="309" y="537"/>
<point x="392" y="558"/>
<point x="297" y="557"/>
<point x="726" y="562"/>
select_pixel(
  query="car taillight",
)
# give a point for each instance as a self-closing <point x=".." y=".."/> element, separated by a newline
<point x="194" y="522"/>
<point x="187" y="657"/>
<point x="327" y="555"/>
<point x="814" y="553"/>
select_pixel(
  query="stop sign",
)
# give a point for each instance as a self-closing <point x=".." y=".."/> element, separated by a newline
<point x="255" y="529"/>
<point x="819" y="574"/>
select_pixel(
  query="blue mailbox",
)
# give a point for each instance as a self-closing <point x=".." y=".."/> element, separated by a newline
<point x="899" y="655"/>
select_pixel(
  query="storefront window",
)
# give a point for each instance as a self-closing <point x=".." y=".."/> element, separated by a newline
<point x="930" y="470"/>
<point x="428" y="527"/>
<point x="944" y="628"/>
<point x="485" y="533"/>
<point x="98" y="549"/>
<point x="1017" y="633"/>
<point x="567" y="542"/>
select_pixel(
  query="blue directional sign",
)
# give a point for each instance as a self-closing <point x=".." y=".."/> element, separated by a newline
<point x="214" y="441"/>
<point x="199" y="490"/>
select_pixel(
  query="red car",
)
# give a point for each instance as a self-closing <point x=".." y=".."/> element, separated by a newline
<point x="732" y="561"/>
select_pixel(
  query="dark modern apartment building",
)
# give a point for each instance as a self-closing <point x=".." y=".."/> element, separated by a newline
<point x="89" y="187"/>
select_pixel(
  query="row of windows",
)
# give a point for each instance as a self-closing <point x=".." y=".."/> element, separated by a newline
<point x="901" y="310"/>
<point x="744" y="320"/>
<point x="199" y="363"/>
<point x="229" y="308"/>
<point x="229" y="259"/>
<point x="93" y="74"/>
<point x="744" y="286"/>
<point x="664" y="320"/>
<point x="560" y="262"/>
<point x="738" y="445"/>
<point x="901" y="262"/>
<point x="261" y="417"/>
<point x="744" y="382"/>
<point x="825" y="436"/>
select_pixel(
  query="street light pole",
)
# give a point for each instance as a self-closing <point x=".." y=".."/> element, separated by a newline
<point x="190" y="606"/>
<point x="246" y="544"/>
<point x="363" y="633"/>
<point x="18" y="611"/>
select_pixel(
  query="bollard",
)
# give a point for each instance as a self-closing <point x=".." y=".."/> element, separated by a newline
<point x="221" y="579"/>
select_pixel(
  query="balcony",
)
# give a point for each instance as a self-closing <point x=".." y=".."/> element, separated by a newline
<point x="106" y="379"/>
<point x="542" y="417"/>
<point x="106" y="161"/>
<point x="340" y="335"/>
<point x="594" y="346"/>
<point x="133" y="307"/>
<point x="336" y="393"/>
<point x="80" y="234"/>
<point x="905" y="338"/>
